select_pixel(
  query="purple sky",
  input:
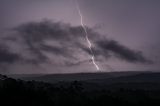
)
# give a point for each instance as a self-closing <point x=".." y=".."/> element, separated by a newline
<point x="132" y="23"/>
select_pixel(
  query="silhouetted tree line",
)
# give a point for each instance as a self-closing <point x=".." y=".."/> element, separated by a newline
<point x="31" y="93"/>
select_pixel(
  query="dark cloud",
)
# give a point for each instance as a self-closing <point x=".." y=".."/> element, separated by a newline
<point x="121" y="51"/>
<point x="59" y="51"/>
<point x="34" y="34"/>
<point x="65" y="43"/>
<point x="6" y="56"/>
<point x="38" y="31"/>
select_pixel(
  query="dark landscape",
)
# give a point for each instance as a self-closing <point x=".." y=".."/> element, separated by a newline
<point x="93" y="89"/>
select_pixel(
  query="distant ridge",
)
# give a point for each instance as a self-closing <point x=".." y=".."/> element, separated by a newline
<point x="78" y="76"/>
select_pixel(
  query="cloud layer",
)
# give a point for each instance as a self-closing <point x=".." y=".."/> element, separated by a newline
<point x="60" y="44"/>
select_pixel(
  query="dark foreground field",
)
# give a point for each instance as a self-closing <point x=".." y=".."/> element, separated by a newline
<point x="101" y="89"/>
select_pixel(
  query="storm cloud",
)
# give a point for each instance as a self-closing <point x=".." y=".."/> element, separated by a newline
<point x="6" y="56"/>
<point x="63" y="44"/>
<point x="121" y="51"/>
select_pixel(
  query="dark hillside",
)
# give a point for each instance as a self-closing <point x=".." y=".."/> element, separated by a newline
<point x="74" y="93"/>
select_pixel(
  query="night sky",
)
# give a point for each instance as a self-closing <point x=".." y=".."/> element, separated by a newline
<point x="45" y="36"/>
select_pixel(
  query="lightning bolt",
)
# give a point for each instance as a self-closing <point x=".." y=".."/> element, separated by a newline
<point x="86" y="36"/>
